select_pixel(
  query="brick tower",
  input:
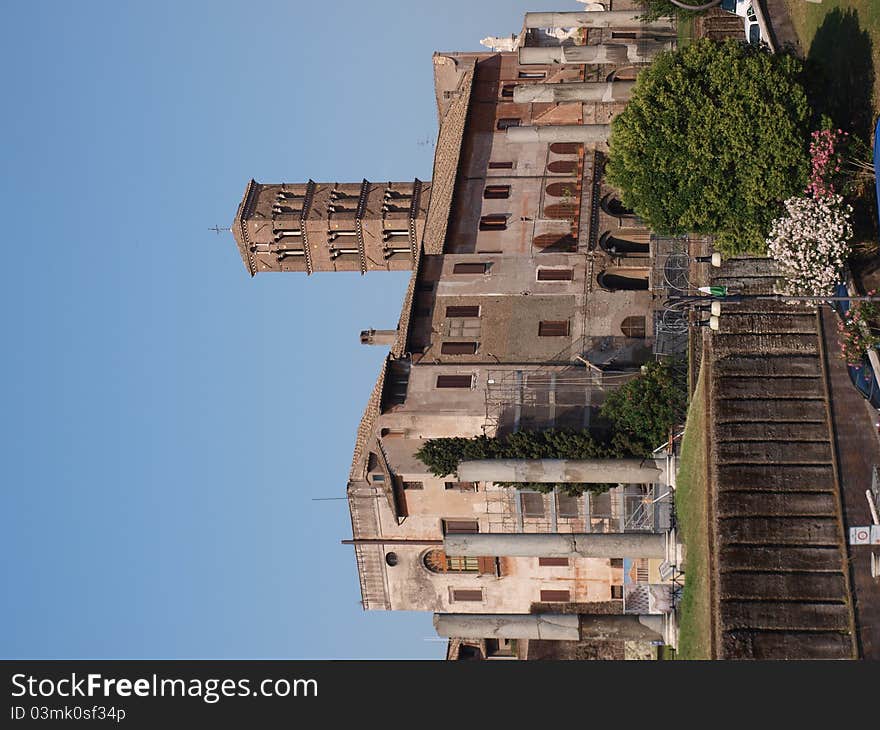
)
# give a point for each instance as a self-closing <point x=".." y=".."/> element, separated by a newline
<point x="313" y="226"/>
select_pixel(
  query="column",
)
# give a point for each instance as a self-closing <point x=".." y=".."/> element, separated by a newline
<point x="558" y="545"/>
<point x="591" y="471"/>
<point x="554" y="626"/>
<point x="598" y="91"/>
<point x="559" y="133"/>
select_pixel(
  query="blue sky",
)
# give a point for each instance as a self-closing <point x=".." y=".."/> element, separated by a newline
<point x="166" y="419"/>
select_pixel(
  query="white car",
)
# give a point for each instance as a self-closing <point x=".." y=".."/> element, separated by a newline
<point x="744" y="9"/>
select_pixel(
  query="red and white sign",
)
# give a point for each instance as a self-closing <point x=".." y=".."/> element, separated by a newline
<point x="868" y="535"/>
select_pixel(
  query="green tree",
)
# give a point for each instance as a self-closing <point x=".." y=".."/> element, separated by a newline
<point x="443" y="455"/>
<point x="713" y="140"/>
<point x="642" y="411"/>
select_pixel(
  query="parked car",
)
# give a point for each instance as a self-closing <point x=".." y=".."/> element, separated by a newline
<point x="862" y="376"/>
<point x="744" y="9"/>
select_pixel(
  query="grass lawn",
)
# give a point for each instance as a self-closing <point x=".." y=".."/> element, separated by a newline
<point x="691" y="509"/>
<point x="843" y="37"/>
<point x="685" y="28"/>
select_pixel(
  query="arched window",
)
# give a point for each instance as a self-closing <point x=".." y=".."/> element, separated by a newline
<point x="563" y="167"/>
<point x="565" y="148"/>
<point x="562" y="189"/>
<point x="633" y="327"/>
<point x="438" y="561"/>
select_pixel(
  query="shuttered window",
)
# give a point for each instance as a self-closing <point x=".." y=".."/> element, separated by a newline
<point x="493" y="222"/>
<point x="462" y="486"/>
<point x="555" y="596"/>
<point x="463" y="311"/>
<point x="507" y="122"/>
<point x="466" y="594"/>
<point x="562" y="189"/>
<point x="555" y="274"/>
<point x="501" y="165"/>
<point x="553" y="328"/>
<point x="616" y="592"/>
<point x="532" y="504"/>
<point x="496" y="191"/>
<point x="460" y="527"/>
<point x="507" y="91"/>
<point x="532" y="74"/>
<point x="458" y="348"/>
<point x="413" y="485"/>
<point x="455" y="381"/>
<point x="552" y="562"/>
<point x="468" y="268"/>
<point x="565" y="148"/>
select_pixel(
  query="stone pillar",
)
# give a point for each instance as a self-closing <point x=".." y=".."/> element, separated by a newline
<point x="600" y="91"/>
<point x="559" y="133"/>
<point x="590" y="471"/>
<point x="555" y="626"/>
<point x="378" y="337"/>
<point x="558" y="545"/>
<point x="617" y="54"/>
<point x="608" y="19"/>
<point x="561" y="627"/>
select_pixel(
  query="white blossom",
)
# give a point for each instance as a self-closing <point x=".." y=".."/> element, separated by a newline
<point x="811" y="244"/>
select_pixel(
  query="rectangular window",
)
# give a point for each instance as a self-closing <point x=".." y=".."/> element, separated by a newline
<point x="460" y="527"/>
<point x="507" y="91"/>
<point x="458" y="348"/>
<point x="505" y="165"/>
<point x="462" y="486"/>
<point x="532" y="74"/>
<point x="616" y="592"/>
<point x="455" y="381"/>
<point x="496" y="192"/>
<point x="553" y="328"/>
<point x="463" y="311"/>
<point x="507" y="122"/>
<point x="553" y="562"/>
<point x="616" y="562"/>
<point x="555" y="274"/>
<point x="555" y="596"/>
<point x="566" y="505"/>
<point x="468" y="268"/>
<point x="464" y="327"/>
<point x="493" y="222"/>
<point x="413" y="485"/>
<point x="532" y="504"/>
<point x="468" y="594"/>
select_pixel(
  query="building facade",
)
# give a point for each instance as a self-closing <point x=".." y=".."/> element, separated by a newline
<point x="532" y="295"/>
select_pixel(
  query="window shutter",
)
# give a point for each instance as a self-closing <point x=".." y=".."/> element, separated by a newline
<point x="487" y="566"/>
<point x="555" y="596"/>
<point x="555" y="274"/>
<point x="458" y="348"/>
<point x="461" y="594"/>
<point x="468" y="268"/>
<point x="532" y="504"/>
<point x="460" y="527"/>
<point x="552" y="562"/>
<point x="455" y="381"/>
<point x="553" y="328"/>
<point x="462" y="311"/>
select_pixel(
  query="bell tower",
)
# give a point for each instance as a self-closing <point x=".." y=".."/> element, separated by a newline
<point x="313" y="226"/>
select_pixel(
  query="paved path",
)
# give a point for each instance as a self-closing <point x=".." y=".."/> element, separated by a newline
<point x="777" y="16"/>
<point x="858" y="451"/>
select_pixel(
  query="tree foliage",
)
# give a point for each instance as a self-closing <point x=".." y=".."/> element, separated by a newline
<point x="638" y="416"/>
<point x="713" y="140"/>
<point x="443" y="455"/>
<point x="655" y="9"/>
<point x="642" y="411"/>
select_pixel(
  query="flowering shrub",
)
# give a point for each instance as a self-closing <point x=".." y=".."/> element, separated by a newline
<point x="811" y="244"/>
<point x="825" y="161"/>
<point x="856" y="333"/>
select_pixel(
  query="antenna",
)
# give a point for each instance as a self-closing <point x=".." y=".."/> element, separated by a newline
<point x="218" y="230"/>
